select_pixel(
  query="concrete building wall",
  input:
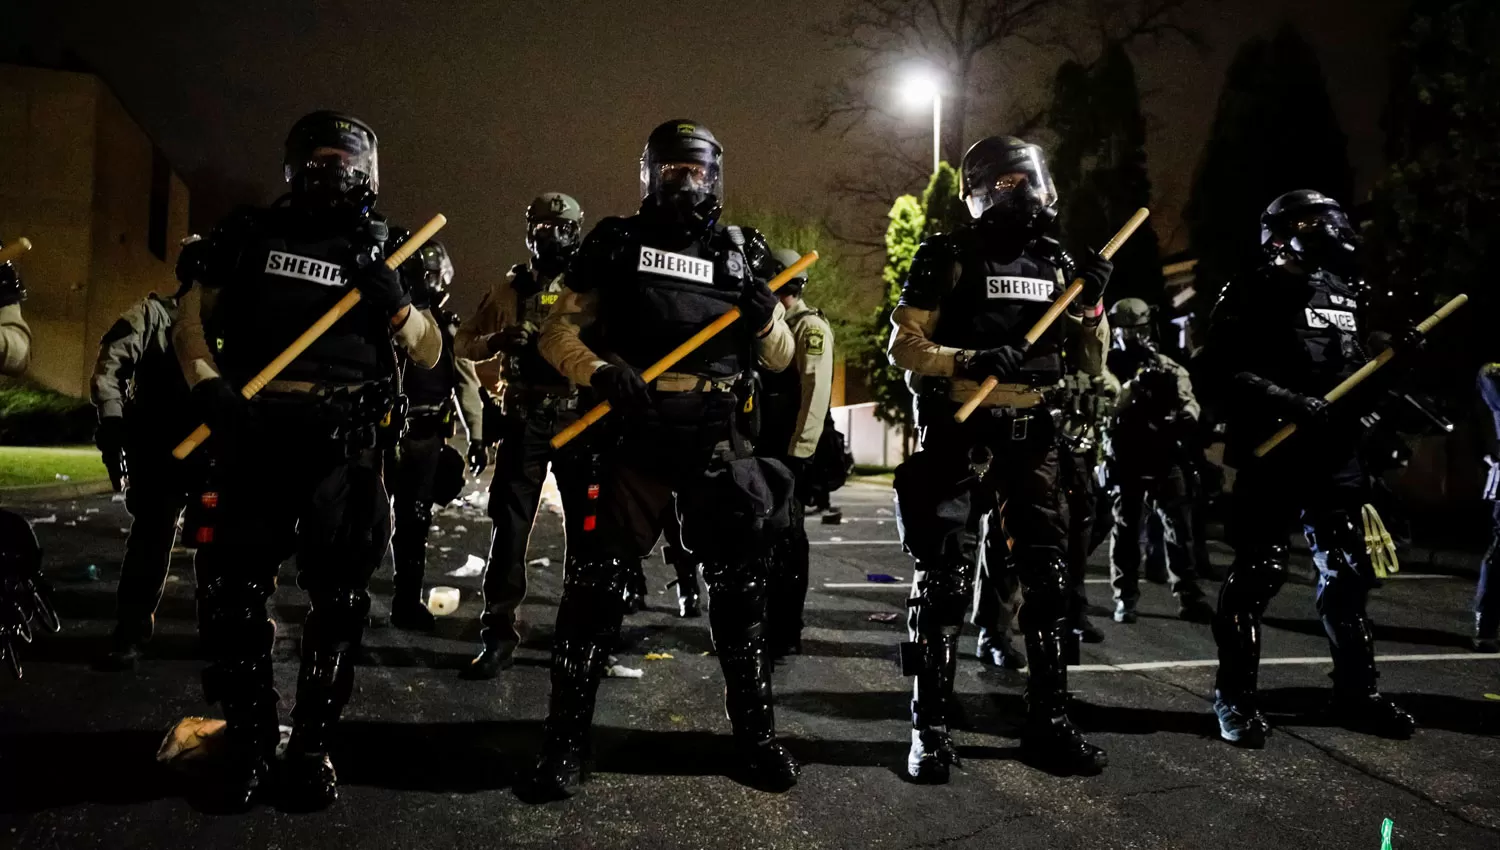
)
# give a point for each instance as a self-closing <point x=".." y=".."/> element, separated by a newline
<point x="78" y="182"/>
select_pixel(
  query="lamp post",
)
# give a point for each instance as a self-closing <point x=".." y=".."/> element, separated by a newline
<point x="919" y="88"/>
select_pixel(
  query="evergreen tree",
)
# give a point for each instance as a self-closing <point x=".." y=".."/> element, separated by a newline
<point x="1274" y="131"/>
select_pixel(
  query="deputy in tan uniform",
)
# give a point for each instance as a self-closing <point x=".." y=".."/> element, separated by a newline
<point x="792" y="419"/>
<point x="535" y="403"/>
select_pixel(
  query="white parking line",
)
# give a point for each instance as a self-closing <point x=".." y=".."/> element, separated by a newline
<point x="1284" y="662"/>
<point x="854" y="542"/>
<point x="875" y="585"/>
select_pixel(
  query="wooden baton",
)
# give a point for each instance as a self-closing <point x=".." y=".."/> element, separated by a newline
<point x="1052" y="313"/>
<point x="688" y="347"/>
<point x="309" y="336"/>
<point x="1364" y="372"/>
<point x="15" y="249"/>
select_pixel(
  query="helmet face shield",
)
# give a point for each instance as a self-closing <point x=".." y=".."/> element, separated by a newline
<point x="552" y="238"/>
<point x="1017" y="183"/>
<point x="333" y="155"/>
<point x="699" y="176"/>
<point x="437" y="270"/>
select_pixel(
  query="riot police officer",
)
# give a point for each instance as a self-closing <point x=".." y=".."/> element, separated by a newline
<point x="142" y="402"/>
<point x="965" y="307"/>
<point x="1146" y="463"/>
<point x="15" y="335"/>
<point x="637" y="288"/>
<point x="297" y="468"/>
<point x="535" y="402"/>
<point x="426" y="468"/>
<point x="1279" y="339"/>
<point x="1487" y="591"/>
<point x="792" y="416"/>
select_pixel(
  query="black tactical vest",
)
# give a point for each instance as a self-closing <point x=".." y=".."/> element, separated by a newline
<point x="432" y="387"/>
<point x="995" y="302"/>
<point x="659" y="298"/>
<point x="279" y="275"/>
<point x="1328" y="328"/>
<point x="528" y="369"/>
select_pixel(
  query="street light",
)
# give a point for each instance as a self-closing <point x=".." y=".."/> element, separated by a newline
<point x="920" y="87"/>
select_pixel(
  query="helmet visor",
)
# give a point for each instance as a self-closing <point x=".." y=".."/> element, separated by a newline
<point x="552" y="238"/>
<point x="1003" y="183"/>
<point x="695" y="173"/>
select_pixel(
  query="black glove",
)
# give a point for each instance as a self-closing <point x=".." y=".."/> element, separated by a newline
<point x="1001" y="363"/>
<point x="622" y="387"/>
<point x="1408" y="341"/>
<point x="1307" y="411"/>
<point x="479" y="457"/>
<point x="221" y="406"/>
<point x="109" y="437"/>
<point x="381" y="288"/>
<point x="1094" y="271"/>
<point x="757" y="304"/>
<point x="523" y="281"/>
<point x="12" y="291"/>
<point x="511" y="340"/>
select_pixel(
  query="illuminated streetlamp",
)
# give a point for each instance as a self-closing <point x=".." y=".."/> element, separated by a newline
<point x="920" y="87"/>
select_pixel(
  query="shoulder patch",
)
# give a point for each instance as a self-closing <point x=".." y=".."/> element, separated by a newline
<point x="816" y="341"/>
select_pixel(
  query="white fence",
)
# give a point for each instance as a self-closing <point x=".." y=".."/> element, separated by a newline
<point x="872" y="442"/>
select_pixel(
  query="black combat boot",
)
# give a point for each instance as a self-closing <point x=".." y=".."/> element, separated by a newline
<point x="737" y="621"/>
<point x="689" y="605"/>
<point x="932" y="752"/>
<point x="1357" y="703"/>
<point x="576" y="668"/>
<point x="126" y="646"/>
<point x="996" y="649"/>
<point x="251" y="728"/>
<point x="1049" y="739"/>
<point x="1486" y="634"/>
<point x="635" y="590"/>
<point x="407" y="611"/>
<point x="323" y="688"/>
<point x="1192" y="606"/>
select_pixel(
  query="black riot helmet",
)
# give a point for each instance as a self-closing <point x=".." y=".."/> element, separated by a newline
<point x="331" y="161"/>
<point x="437" y="272"/>
<point x="1005" y="182"/>
<point x="554" y="222"/>
<point x="1309" y="227"/>
<point x="682" y="173"/>
<point x="20" y="554"/>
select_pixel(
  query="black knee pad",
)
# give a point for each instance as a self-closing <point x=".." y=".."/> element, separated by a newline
<point x="1044" y="580"/>
<point x="1254" y="579"/>
<point x="738" y="576"/>
<point x="592" y="604"/>
<point x="1343" y="585"/>
<point x="337" y="619"/>
<point x="232" y="617"/>
<point x="943" y="595"/>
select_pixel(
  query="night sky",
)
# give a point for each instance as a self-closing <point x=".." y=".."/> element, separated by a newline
<point x="482" y="105"/>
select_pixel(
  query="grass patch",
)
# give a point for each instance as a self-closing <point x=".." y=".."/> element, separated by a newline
<point x="34" y="416"/>
<point x="22" y="466"/>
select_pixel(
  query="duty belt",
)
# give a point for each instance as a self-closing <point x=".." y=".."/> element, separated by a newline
<point x="526" y="403"/>
<point x="678" y="382"/>
<point x="1018" y="419"/>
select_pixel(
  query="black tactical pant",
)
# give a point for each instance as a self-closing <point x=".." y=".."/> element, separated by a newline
<point x="788" y="579"/>
<point x="1167" y="496"/>
<point x="1324" y="487"/>
<point x="521" y="462"/>
<point x="155" y="496"/>
<point x="411" y="480"/>
<point x="997" y="588"/>
<point x="682" y="447"/>
<point x="285" y="488"/>
<point x="1004" y="464"/>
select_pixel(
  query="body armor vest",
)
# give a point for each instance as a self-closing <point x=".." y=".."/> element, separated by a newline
<point x="662" y="297"/>
<point x="528" y="369"/>
<point x="434" y="387"/>
<point x="283" y="273"/>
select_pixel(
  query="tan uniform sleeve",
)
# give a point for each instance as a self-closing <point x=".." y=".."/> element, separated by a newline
<point x="911" y="347"/>
<point x="496" y="312"/>
<point x="559" y="342"/>
<point x="1186" y="400"/>
<point x="15" y="341"/>
<point x="189" y="339"/>
<point x="470" y="402"/>
<point x="421" y="338"/>
<point x="1087" y="341"/>
<point x="775" y="349"/>
<point x="814" y="363"/>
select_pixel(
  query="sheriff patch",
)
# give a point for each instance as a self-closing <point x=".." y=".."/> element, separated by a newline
<point x="1341" y="319"/>
<point x="305" y="268"/>
<point x="1019" y="288"/>
<point x="815" y="342"/>
<point x="675" y="265"/>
